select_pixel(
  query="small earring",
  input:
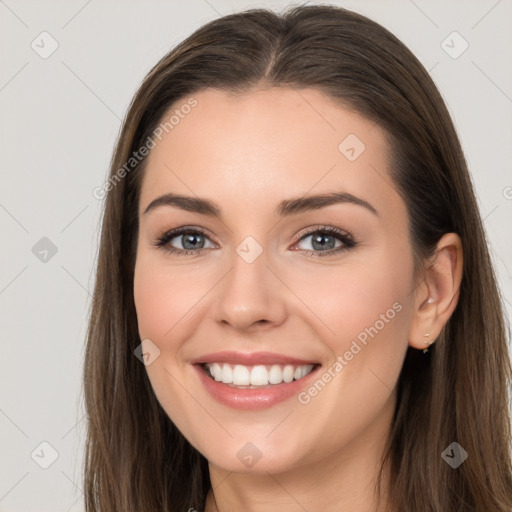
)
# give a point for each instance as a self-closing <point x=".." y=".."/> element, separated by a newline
<point x="425" y="350"/>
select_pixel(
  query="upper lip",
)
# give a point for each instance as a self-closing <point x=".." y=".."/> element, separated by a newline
<point x="250" y="358"/>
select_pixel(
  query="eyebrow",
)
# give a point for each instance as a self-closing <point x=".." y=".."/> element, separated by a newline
<point x="285" y="208"/>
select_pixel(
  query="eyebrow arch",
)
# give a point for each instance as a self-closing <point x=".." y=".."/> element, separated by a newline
<point x="285" y="208"/>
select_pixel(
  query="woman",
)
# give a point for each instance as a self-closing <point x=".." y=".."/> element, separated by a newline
<point x="295" y="307"/>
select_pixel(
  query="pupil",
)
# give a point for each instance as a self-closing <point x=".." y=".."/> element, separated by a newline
<point x="190" y="238"/>
<point x="318" y="238"/>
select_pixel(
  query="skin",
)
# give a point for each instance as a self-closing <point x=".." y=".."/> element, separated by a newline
<point x="247" y="153"/>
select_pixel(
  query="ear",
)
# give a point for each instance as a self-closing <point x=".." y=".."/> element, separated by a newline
<point x="437" y="295"/>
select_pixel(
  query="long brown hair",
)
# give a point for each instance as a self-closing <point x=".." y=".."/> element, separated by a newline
<point x="135" y="458"/>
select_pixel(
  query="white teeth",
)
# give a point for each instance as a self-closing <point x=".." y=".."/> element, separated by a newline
<point x="217" y="372"/>
<point x="227" y="374"/>
<point x="288" y="373"/>
<point x="275" y="375"/>
<point x="240" y="375"/>
<point x="260" y="375"/>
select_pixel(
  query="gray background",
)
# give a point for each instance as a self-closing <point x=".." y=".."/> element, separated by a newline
<point x="59" y="121"/>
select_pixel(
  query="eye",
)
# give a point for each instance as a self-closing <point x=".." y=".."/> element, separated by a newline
<point x="326" y="240"/>
<point x="189" y="241"/>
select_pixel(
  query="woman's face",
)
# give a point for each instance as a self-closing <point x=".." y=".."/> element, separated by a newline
<point x="275" y="285"/>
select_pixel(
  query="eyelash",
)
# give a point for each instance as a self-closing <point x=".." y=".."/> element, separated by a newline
<point x="344" y="237"/>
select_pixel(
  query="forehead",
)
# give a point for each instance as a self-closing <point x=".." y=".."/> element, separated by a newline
<point x="265" y="145"/>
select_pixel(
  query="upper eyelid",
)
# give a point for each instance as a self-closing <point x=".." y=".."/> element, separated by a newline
<point x="323" y="228"/>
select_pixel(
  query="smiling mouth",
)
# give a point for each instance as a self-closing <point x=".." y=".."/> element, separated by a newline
<point x="258" y="376"/>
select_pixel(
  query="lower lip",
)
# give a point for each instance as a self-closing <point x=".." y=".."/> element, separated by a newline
<point x="252" y="399"/>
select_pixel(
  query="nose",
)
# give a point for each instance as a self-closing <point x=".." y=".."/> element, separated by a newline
<point x="250" y="297"/>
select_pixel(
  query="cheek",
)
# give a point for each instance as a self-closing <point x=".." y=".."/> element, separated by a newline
<point x="367" y="309"/>
<point x="155" y="308"/>
<point x="164" y="298"/>
<point x="358" y="295"/>
<point x="164" y="303"/>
